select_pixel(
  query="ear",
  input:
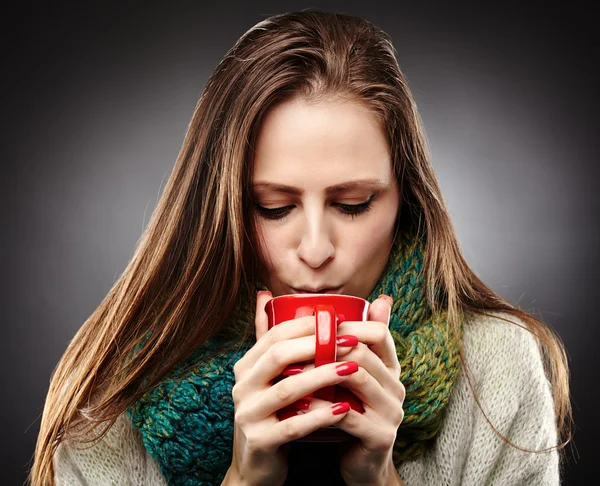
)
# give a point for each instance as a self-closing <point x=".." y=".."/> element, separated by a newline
<point x="381" y="309"/>
<point x="261" y="321"/>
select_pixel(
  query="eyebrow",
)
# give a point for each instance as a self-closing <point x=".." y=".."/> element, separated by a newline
<point x="336" y="189"/>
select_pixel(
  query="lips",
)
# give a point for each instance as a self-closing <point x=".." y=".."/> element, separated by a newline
<point x="322" y="290"/>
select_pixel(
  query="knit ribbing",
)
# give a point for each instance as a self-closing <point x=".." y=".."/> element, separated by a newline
<point x="186" y="421"/>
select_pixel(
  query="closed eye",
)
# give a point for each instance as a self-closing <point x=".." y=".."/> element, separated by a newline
<point x="350" y="210"/>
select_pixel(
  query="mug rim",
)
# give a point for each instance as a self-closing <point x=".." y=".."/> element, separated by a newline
<point x="304" y="296"/>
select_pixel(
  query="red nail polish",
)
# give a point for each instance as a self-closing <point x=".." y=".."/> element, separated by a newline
<point x="347" y="340"/>
<point x="346" y="368"/>
<point x="339" y="408"/>
<point x="292" y="370"/>
<point x="302" y="404"/>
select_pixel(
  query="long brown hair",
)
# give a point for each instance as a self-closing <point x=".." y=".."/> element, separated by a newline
<point x="196" y="258"/>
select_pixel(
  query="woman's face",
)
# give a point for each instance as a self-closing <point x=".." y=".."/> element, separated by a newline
<point x="326" y="198"/>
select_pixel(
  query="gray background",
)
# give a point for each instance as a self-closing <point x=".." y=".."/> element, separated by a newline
<point x="97" y="101"/>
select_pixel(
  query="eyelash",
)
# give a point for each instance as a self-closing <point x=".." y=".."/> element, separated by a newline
<point x="350" y="210"/>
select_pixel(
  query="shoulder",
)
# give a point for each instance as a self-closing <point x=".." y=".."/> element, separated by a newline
<point x="119" y="458"/>
<point x="504" y="369"/>
<point x="504" y="372"/>
<point x="498" y="343"/>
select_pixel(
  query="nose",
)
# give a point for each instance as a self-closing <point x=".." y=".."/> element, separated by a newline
<point x="316" y="246"/>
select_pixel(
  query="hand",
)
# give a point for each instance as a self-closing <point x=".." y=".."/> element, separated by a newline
<point x="260" y="439"/>
<point x="377" y="384"/>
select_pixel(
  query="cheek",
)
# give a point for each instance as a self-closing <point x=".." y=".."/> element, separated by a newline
<point x="378" y="231"/>
<point x="271" y="246"/>
<point x="365" y="248"/>
<point x="369" y="244"/>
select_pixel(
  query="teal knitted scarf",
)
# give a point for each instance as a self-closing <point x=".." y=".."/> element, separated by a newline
<point x="186" y="422"/>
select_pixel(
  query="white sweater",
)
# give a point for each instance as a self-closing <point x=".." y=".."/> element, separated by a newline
<point x="509" y="380"/>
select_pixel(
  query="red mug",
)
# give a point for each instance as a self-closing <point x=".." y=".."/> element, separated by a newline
<point x="329" y="311"/>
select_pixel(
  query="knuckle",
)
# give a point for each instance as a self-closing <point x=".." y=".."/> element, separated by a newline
<point x="352" y="420"/>
<point x="270" y="337"/>
<point x="240" y="417"/>
<point x="290" y="430"/>
<point x="255" y="441"/>
<point x="275" y="335"/>
<point x="278" y="354"/>
<point x="398" y="370"/>
<point x="401" y="392"/>
<point x="309" y="323"/>
<point x="389" y="437"/>
<point x="236" y="393"/>
<point x="381" y="332"/>
<point x="358" y="352"/>
<point x="283" y="393"/>
<point x="381" y="439"/>
<point x="398" y="415"/>
<point x="237" y="369"/>
<point x="361" y="376"/>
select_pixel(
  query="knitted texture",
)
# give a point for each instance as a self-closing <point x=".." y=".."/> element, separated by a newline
<point x="186" y="422"/>
<point x="508" y="377"/>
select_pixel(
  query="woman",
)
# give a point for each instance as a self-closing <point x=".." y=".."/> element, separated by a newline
<point x="304" y="168"/>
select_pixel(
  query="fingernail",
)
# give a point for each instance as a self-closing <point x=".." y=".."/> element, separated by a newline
<point x="302" y="404"/>
<point x="387" y="298"/>
<point x="347" y="368"/>
<point x="292" y="370"/>
<point x="261" y="292"/>
<point x="339" y="408"/>
<point x="347" y="340"/>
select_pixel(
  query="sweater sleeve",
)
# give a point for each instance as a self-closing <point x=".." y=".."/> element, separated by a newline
<point x="118" y="459"/>
<point x="509" y="380"/>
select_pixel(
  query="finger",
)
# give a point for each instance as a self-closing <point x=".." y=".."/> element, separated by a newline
<point x="368" y="360"/>
<point x="388" y="378"/>
<point x="303" y="326"/>
<point x="362" y="426"/>
<point x="371" y="393"/>
<point x="279" y="356"/>
<point x="303" y="424"/>
<point x="307" y="404"/>
<point x="261" y="320"/>
<point x="376" y="335"/>
<point x="298" y="367"/>
<point x="268" y="366"/>
<point x="298" y="386"/>
<point x="374" y="434"/>
<point x="380" y="309"/>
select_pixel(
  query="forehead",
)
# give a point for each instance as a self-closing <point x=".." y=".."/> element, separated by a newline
<point x="304" y="144"/>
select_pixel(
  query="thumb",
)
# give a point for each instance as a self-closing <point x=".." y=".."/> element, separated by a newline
<point x="380" y="309"/>
<point x="261" y="321"/>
